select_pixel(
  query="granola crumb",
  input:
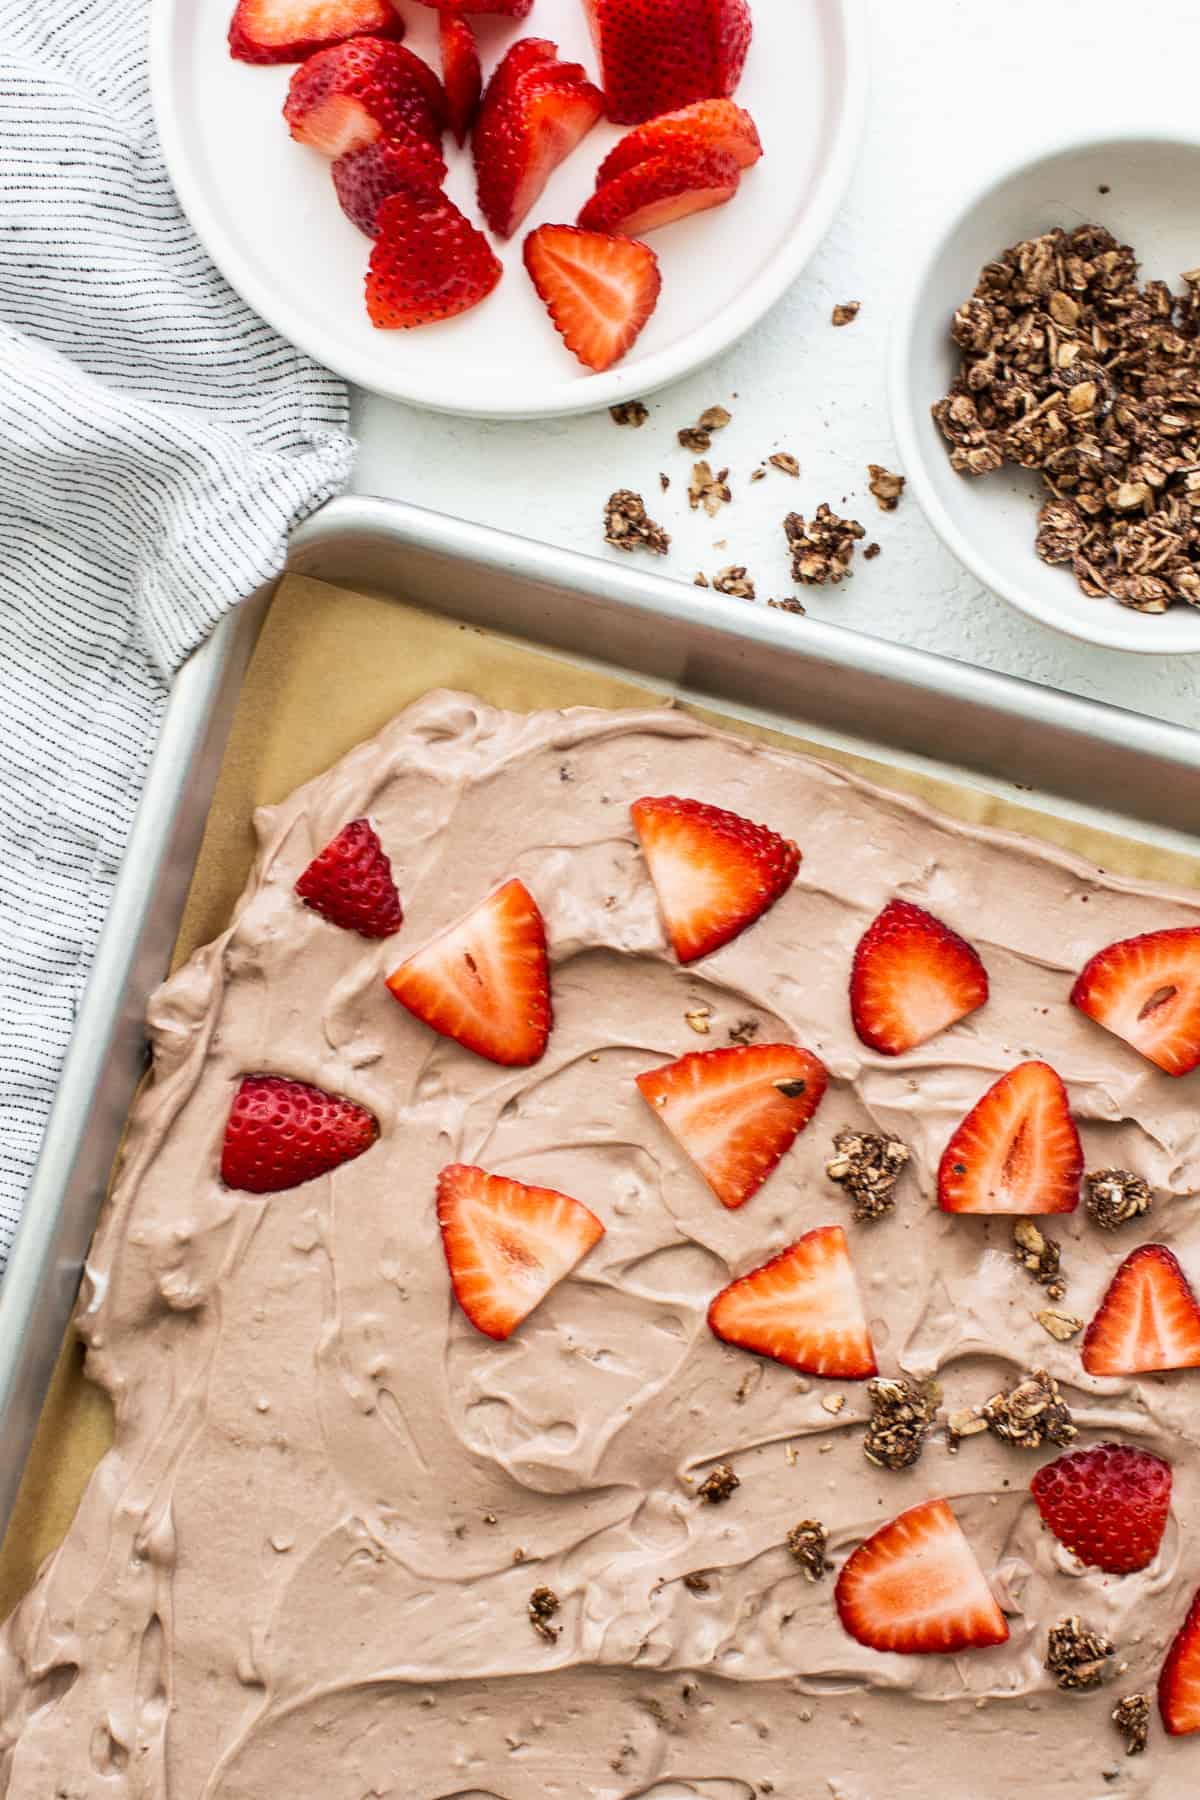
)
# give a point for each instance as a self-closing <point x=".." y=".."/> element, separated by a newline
<point x="543" y="1604"/>
<point x="1031" y="1414"/>
<point x="700" y="579"/>
<point x="718" y="1484"/>
<point x="902" y="1416"/>
<point x="733" y="580"/>
<point x="698" y="437"/>
<point x="1131" y="1716"/>
<point x="790" y="604"/>
<point x="868" y="1165"/>
<point x="743" y="1031"/>
<point x="967" y="1422"/>
<point x="708" y="490"/>
<point x="664" y="481"/>
<point x="628" y="526"/>
<point x="1076" y="1655"/>
<point x="807" y="1541"/>
<point x="698" y="1018"/>
<point x="786" y="463"/>
<point x="833" y="1404"/>
<point x="885" y="486"/>
<point x="1114" y="1196"/>
<point x="871" y="552"/>
<point x="1061" y="1326"/>
<point x="629" y="412"/>
<point x="845" y="312"/>
<point x="822" y="549"/>
<point x="759" y="474"/>
<point x="489" y="1518"/>
<point x="696" y="1583"/>
<point x="1039" y="1256"/>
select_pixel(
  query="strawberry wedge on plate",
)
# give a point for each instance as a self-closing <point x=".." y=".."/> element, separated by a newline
<point x="1149" y="1318"/>
<point x="599" y="290"/>
<point x="364" y="178"/>
<point x="802" y="1308"/>
<point x="462" y="76"/>
<point x="429" y="262"/>
<point x="708" y="124"/>
<point x="657" y="55"/>
<point x="912" y="977"/>
<point x="915" y="1587"/>
<point x="507" y="1244"/>
<point x="686" y="179"/>
<point x="371" y="87"/>
<point x="279" y="31"/>
<point x="715" y="873"/>
<point x="1147" y="990"/>
<point x="535" y="111"/>
<point x="1017" y="1150"/>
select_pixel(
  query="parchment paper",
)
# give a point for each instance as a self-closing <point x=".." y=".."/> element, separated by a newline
<point x="330" y="668"/>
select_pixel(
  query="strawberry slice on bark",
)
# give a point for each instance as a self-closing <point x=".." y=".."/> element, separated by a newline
<point x="659" y="55"/>
<point x="347" y="96"/>
<point x="1147" y="990"/>
<point x="599" y="291"/>
<point x="714" y="872"/>
<point x="1017" y="1150"/>
<point x="429" y="262"/>
<point x="278" y="31"/>
<point x="912" y="977"/>
<point x="485" y="982"/>
<point x="1179" y="1679"/>
<point x="657" y="192"/>
<point x="915" y="1586"/>
<point x="534" y="113"/>
<point x="1108" y="1506"/>
<point x="706" y="125"/>
<point x="281" y="1133"/>
<point x="350" y="883"/>
<point x="736" y="1112"/>
<point x="507" y="1244"/>
<point x="1148" y="1319"/>
<point x="462" y="76"/>
<point x="363" y="179"/>
<point x="802" y="1308"/>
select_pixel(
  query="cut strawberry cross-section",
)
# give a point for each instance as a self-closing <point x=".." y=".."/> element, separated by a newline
<point x="657" y="55"/>
<point x="275" y="31"/>
<point x="1179" y="1681"/>
<point x="714" y="872"/>
<point x="689" y="178"/>
<point x="709" y="124"/>
<point x="1107" y="1505"/>
<point x="1147" y="990"/>
<point x="916" y="1587"/>
<point x="599" y="291"/>
<point x="736" y="1112"/>
<point x="1017" y="1150"/>
<point x="485" y="982"/>
<point x="281" y="1133"/>
<point x="350" y="883"/>
<point x="535" y="111"/>
<point x="462" y="77"/>
<point x="347" y="96"/>
<point x="912" y="977"/>
<point x="507" y="1244"/>
<point x="429" y="262"/>
<point x="1148" y="1319"/>
<point x="802" y="1308"/>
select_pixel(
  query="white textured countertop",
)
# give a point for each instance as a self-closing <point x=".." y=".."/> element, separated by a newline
<point x="957" y="87"/>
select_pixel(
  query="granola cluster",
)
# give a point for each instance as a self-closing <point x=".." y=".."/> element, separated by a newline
<point x="1076" y="1655"/>
<point x="821" y="547"/>
<point x="1031" y="1414"/>
<point x="1040" y="1257"/>
<point x="902" y="1416"/>
<point x="718" y="1484"/>
<point x="698" y="437"/>
<point x="1114" y="1196"/>
<point x="1071" y="367"/>
<point x="868" y="1165"/>
<point x="628" y="526"/>
<point x="806" y="1541"/>
<point x="1131" y="1716"/>
<point x="543" y="1604"/>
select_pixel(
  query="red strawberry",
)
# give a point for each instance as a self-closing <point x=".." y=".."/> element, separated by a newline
<point x="365" y="178"/>
<point x="511" y="9"/>
<point x="599" y="290"/>
<point x="1179" y="1680"/>
<point x="1147" y="990"/>
<point x="535" y="111"/>
<point x="661" y="190"/>
<point x="707" y="124"/>
<point x="281" y="1133"/>
<point x="802" y="1308"/>
<point x="507" y="1244"/>
<point x="275" y="31"/>
<point x="715" y="872"/>
<point x="428" y="263"/>
<point x="916" y="1587"/>
<point x="1108" y="1505"/>
<point x="348" y="96"/>
<point x="658" y="55"/>
<point x="1147" y="1320"/>
<point x="350" y="883"/>
<point x="736" y="1112"/>
<point x="485" y="982"/>
<point x="912" y="977"/>
<point x="1017" y="1150"/>
<point x="462" y="76"/>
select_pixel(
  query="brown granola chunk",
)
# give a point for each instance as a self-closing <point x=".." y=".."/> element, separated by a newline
<point x="734" y="580"/>
<point x="790" y="604"/>
<point x="1114" y="1196"/>
<point x="1040" y="1256"/>
<point x="628" y="526"/>
<point x="698" y="437"/>
<point x="1131" y="1716"/>
<point x="1076" y="1655"/>
<point x="708" y="490"/>
<point x="1031" y="1414"/>
<point x="1060" y="1325"/>
<point x="868" y="1165"/>
<point x="718" y="1484"/>
<point x="871" y="552"/>
<point x="807" y="1541"/>
<point x="902" y="1416"/>
<point x="822" y="547"/>
<point x="885" y="486"/>
<point x="743" y="1031"/>
<point x="543" y="1604"/>
<point x="629" y="412"/>
<point x="845" y="312"/>
<point x="696" y="1583"/>
<point x="786" y="463"/>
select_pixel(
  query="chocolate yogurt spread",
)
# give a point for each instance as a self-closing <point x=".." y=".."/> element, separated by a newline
<point x="306" y="1567"/>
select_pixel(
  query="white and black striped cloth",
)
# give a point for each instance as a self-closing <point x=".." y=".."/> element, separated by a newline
<point x="157" y="440"/>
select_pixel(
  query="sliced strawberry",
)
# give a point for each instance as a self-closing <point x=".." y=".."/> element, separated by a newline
<point x="1148" y="1319"/>
<point x="277" y="31"/>
<point x="802" y="1308"/>
<point x="715" y="872"/>
<point x="658" y="55"/>
<point x="1147" y="990"/>
<point x="1179" y="1679"/>
<point x="535" y="111"/>
<point x="916" y="1587"/>
<point x="485" y="982"/>
<point x="429" y="262"/>
<point x="281" y="1133"/>
<point x="705" y="125"/>
<point x="737" y="1112"/>
<point x="599" y="291"/>
<point x="912" y="977"/>
<point x="1017" y="1150"/>
<point x="462" y="76"/>
<point x="1108" y="1505"/>
<point x="510" y="9"/>
<point x="365" y="178"/>
<point x="350" y="883"/>
<point x="371" y="87"/>
<point x="661" y="190"/>
<point x="507" y="1244"/>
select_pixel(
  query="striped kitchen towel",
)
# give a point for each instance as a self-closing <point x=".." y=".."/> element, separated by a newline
<point x="157" y="441"/>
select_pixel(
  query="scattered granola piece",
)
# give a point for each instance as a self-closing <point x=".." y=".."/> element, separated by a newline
<point x="868" y="1165"/>
<point x="1076" y="1655"/>
<point x="629" y="412"/>
<point x="845" y="312"/>
<point x="543" y="1604"/>
<point x="696" y="1583"/>
<point x="698" y="437"/>
<point x="833" y="1404"/>
<point x="1031" y="1414"/>
<point x="1040" y="1256"/>
<point x="708" y="490"/>
<point x="698" y="1019"/>
<point x="786" y="463"/>
<point x="733" y="580"/>
<point x="968" y="1422"/>
<point x="790" y="604"/>
<point x="664" y="481"/>
<point x="821" y="551"/>
<point x="871" y="552"/>
<point x="1114" y="1196"/>
<point x="1060" y="1325"/>
<point x="759" y="474"/>
<point x="885" y="486"/>
<point x="628" y="526"/>
<point x="807" y="1541"/>
<point x="902" y="1416"/>
<point x="744" y="1031"/>
<point x="718" y="1484"/>
<point x="700" y="579"/>
<point x="1131" y="1716"/>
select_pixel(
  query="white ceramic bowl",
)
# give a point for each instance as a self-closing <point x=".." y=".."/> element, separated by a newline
<point x="1152" y="203"/>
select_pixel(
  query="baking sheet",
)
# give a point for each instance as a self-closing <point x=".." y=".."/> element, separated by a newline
<point x="330" y="668"/>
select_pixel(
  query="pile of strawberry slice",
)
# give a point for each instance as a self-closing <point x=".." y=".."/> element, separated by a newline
<point x="378" y="112"/>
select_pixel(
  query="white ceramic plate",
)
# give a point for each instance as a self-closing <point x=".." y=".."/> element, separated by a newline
<point x="265" y="209"/>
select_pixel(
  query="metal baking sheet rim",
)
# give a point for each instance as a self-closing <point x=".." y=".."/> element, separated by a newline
<point x="818" y="678"/>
